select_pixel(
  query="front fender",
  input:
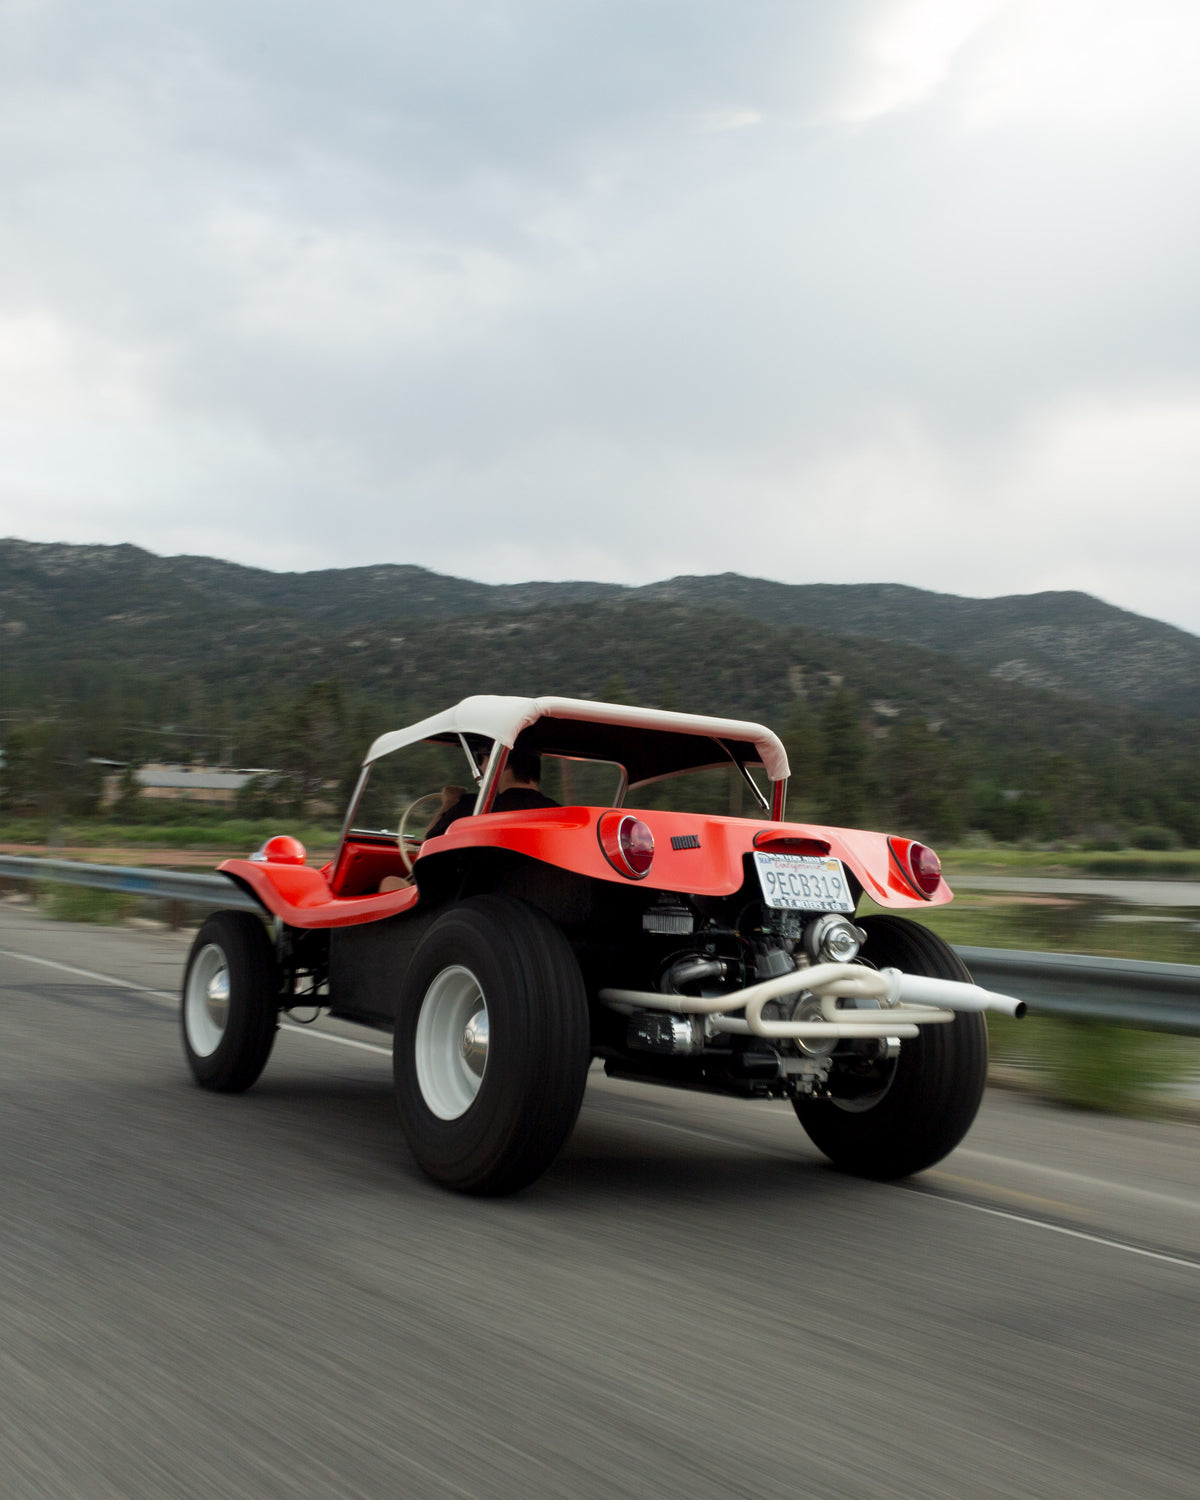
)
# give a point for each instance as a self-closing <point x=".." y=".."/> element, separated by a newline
<point x="300" y="895"/>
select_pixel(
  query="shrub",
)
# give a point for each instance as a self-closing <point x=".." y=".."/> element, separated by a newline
<point x="1095" y="1065"/>
<point x="82" y="903"/>
<point x="1152" y="837"/>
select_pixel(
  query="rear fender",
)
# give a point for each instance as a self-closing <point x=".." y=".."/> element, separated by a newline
<point x="694" y="854"/>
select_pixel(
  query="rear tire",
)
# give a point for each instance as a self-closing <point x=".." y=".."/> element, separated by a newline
<point x="492" y="1046"/>
<point x="922" y="1111"/>
<point x="230" y="1006"/>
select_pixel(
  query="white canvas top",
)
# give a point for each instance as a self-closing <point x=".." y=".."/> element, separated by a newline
<point x="503" y="719"/>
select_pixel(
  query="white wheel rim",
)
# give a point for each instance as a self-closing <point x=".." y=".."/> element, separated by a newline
<point x="452" y="1042"/>
<point x="206" y="1001"/>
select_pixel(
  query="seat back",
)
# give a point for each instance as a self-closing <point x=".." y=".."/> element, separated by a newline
<point x="363" y="866"/>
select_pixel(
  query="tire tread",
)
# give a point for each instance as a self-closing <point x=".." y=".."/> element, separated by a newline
<point x="940" y="1076"/>
<point x="501" y="1144"/>
<point x="253" y="1017"/>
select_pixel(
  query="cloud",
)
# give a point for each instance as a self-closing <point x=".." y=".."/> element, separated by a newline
<point x="730" y="119"/>
<point x="51" y="372"/>
<point x="896" y="290"/>
<point x="906" y="52"/>
<point x="1064" y="65"/>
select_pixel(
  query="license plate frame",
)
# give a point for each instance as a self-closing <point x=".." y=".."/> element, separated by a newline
<point x="803" y="882"/>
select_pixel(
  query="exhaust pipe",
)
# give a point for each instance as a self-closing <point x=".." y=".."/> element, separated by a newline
<point x="952" y="994"/>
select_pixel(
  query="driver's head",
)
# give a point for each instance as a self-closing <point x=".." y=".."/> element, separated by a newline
<point x="524" y="767"/>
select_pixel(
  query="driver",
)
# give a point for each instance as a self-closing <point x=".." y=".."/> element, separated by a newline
<point x="516" y="791"/>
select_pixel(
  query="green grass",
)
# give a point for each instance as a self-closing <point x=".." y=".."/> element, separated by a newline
<point x="1012" y="859"/>
<point x="1064" y="925"/>
<point x="81" y="903"/>
<point x="1093" y="1065"/>
<point x="1086" y="1064"/>
<point x="195" y="827"/>
<point x="236" y="835"/>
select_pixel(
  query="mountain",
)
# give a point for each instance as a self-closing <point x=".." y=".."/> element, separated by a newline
<point x="112" y="652"/>
<point x="1065" y="643"/>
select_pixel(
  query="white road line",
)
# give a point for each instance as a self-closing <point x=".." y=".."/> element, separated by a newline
<point x="54" y="963"/>
<point x="1074" y="1234"/>
<point x="328" y="1036"/>
<point x="996" y="1213"/>
<point x="141" y="989"/>
<point x="1080" y="1179"/>
<point x="632" y="1117"/>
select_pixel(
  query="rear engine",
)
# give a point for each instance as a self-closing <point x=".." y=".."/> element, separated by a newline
<point x="690" y="946"/>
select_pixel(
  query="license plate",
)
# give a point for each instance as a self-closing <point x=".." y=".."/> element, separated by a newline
<point x="803" y="882"/>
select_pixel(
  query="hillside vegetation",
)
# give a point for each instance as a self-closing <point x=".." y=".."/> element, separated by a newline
<point x="1068" y="642"/>
<point x="1041" y="717"/>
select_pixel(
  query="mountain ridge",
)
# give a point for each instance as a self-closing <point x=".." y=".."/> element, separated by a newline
<point x="1066" y="642"/>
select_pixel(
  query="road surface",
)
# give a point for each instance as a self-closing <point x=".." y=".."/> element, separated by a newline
<point x="1134" y="892"/>
<point x="261" y="1297"/>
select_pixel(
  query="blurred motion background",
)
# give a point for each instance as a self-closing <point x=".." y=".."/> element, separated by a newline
<point x="835" y="367"/>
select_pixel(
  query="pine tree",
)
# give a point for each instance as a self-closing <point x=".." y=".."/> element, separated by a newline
<point x="844" y="762"/>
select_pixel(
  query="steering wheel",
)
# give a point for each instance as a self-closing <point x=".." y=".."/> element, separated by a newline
<point x="405" y="857"/>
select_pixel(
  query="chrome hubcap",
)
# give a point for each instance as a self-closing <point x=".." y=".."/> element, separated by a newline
<point x="451" y="1044"/>
<point x="475" y="1043"/>
<point x="216" y="999"/>
<point x="206" y="1001"/>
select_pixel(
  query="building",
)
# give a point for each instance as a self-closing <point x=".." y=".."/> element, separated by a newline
<point x="217" y="785"/>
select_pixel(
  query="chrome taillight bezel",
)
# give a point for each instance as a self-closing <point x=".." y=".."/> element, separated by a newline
<point x="617" y="832"/>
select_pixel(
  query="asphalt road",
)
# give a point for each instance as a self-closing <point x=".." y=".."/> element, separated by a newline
<point x="1135" y="892"/>
<point x="260" y="1296"/>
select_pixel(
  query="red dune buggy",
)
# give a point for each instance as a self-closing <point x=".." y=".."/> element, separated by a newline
<point x="642" y="921"/>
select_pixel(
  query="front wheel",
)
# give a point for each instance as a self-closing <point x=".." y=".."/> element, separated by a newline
<point x="230" y="1008"/>
<point x="917" y="1108"/>
<point x="491" y="1047"/>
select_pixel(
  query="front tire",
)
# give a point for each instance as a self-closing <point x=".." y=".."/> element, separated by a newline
<point x="230" y="1006"/>
<point x="491" y="1047"/>
<point x="925" y="1102"/>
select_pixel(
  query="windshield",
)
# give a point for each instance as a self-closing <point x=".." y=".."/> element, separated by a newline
<point x="425" y="768"/>
<point x="396" y="780"/>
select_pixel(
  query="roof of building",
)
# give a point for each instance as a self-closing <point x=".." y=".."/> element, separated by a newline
<point x="192" y="778"/>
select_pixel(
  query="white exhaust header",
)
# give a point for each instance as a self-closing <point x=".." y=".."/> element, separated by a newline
<point x="902" y="1001"/>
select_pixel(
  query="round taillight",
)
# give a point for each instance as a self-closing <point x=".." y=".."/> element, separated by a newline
<point x="925" y="868"/>
<point x="627" y="843"/>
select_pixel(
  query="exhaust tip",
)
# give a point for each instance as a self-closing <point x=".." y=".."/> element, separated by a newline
<point x="1020" y="1010"/>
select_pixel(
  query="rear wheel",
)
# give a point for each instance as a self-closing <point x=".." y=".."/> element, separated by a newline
<point x="491" y="1047"/>
<point x="903" y="1115"/>
<point x="230" y="1008"/>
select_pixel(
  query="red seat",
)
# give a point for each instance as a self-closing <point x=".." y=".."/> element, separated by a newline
<point x="363" y="866"/>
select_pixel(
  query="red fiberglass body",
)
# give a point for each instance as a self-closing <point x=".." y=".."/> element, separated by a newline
<point x="694" y="854"/>
<point x="748" y="956"/>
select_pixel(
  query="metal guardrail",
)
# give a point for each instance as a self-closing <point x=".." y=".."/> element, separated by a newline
<point x="164" y="885"/>
<point x="1128" y="992"/>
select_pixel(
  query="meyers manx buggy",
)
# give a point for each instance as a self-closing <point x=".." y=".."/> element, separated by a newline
<point x="681" y="946"/>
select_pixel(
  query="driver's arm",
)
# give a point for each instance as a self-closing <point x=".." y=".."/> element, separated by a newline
<point x="456" y="803"/>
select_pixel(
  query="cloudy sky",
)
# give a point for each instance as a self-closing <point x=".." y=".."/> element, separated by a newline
<point x="861" y="291"/>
